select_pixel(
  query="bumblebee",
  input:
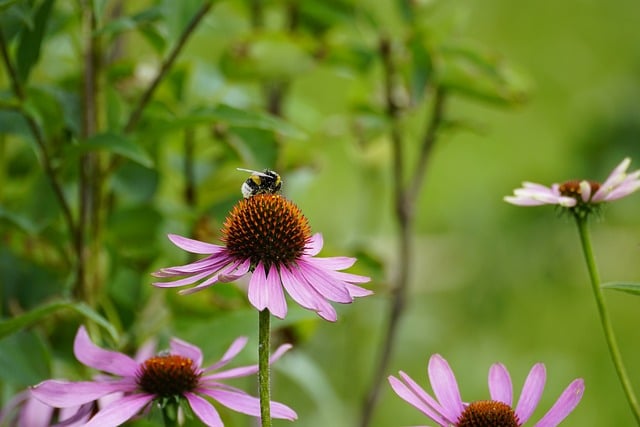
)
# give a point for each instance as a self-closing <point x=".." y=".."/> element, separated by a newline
<point x="265" y="182"/>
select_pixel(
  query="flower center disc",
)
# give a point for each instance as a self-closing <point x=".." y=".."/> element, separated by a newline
<point x="488" y="413"/>
<point x="266" y="228"/>
<point x="572" y="189"/>
<point x="167" y="376"/>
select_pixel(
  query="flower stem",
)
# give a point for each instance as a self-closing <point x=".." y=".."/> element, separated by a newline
<point x="264" y="336"/>
<point x="170" y="415"/>
<point x="614" y="351"/>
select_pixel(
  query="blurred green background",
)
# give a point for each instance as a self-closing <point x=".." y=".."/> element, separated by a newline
<point x="491" y="282"/>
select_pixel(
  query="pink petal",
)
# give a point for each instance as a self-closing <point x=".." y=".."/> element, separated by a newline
<point x="333" y="263"/>
<point x="213" y="279"/>
<point x="522" y="201"/>
<point x="415" y="395"/>
<point x="35" y="413"/>
<point x="305" y="295"/>
<point x="244" y="371"/>
<point x="531" y="392"/>
<point x="66" y="394"/>
<point x="585" y="190"/>
<point x="146" y="350"/>
<point x="120" y="411"/>
<point x="240" y="270"/>
<point x="357" y="291"/>
<point x="500" y="386"/>
<point x="445" y="387"/>
<point x="348" y="277"/>
<point x="242" y="402"/>
<point x="236" y="346"/>
<point x="326" y="286"/>
<point x="182" y="282"/>
<point x="258" y="292"/>
<point x="314" y="245"/>
<point x="567" y="402"/>
<point x="211" y="264"/>
<point x="186" y="349"/>
<point x="104" y="360"/>
<point x="204" y="410"/>
<point x="277" y="304"/>
<point x="194" y="246"/>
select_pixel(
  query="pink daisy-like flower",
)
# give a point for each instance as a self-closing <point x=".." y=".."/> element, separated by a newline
<point x="579" y="194"/>
<point x="267" y="236"/>
<point x="448" y="409"/>
<point x="176" y="374"/>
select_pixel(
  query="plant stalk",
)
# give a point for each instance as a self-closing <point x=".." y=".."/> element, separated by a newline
<point x="264" y="384"/>
<point x="614" y="351"/>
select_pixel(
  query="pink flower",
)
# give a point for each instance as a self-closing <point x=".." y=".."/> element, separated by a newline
<point x="25" y="410"/>
<point x="576" y="193"/>
<point x="268" y="237"/>
<point x="176" y="374"/>
<point x="448" y="409"/>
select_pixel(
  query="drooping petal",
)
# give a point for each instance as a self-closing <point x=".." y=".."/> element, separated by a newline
<point x="244" y="403"/>
<point x="239" y="271"/>
<point x="258" y="291"/>
<point x="182" y="282"/>
<point x="567" y="402"/>
<point x="104" y="360"/>
<point x="332" y="263"/>
<point x="213" y="279"/>
<point x="500" y="386"/>
<point x="326" y="286"/>
<point x="531" y="392"/>
<point x="35" y="413"/>
<point x="67" y="394"/>
<point x="277" y="303"/>
<point x="204" y="410"/>
<point x="348" y="277"/>
<point x="211" y="264"/>
<point x="194" y="246"/>
<point x="236" y="346"/>
<point x="185" y="349"/>
<point x="445" y="387"/>
<point x="120" y="411"/>
<point x="357" y="291"/>
<point x="302" y="294"/>
<point x="411" y="396"/>
<point x="314" y="245"/>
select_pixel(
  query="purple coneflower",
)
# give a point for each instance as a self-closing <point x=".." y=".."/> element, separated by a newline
<point x="448" y="409"/>
<point x="176" y="374"/>
<point x="268" y="236"/>
<point x="579" y="195"/>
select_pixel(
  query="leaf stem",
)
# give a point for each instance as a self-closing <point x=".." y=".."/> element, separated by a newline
<point x="264" y="384"/>
<point x="614" y="351"/>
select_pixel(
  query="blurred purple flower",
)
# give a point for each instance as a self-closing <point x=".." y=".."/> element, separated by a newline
<point x="447" y="409"/>
<point x="268" y="237"/>
<point x="24" y="410"/>
<point x="576" y="193"/>
<point x="175" y="374"/>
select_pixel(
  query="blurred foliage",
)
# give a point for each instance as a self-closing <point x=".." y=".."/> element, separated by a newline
<point x="108" y="142"/>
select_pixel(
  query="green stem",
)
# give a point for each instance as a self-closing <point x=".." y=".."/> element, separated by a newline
<point x="585" y="239"/>
<point x="264" y="336"/>
<point x="170" y="415"/>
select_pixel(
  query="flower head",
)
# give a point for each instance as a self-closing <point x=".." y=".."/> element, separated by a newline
<point x="175" y="374"/>
<point x="579" y="196"/>
<point x="267" y="236"/>
<point x="448" y="410"/>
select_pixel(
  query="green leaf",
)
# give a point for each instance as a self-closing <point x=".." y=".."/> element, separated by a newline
<point x="117" y="144"/>
<point x="31" y="41"/>
<point x="477" y="72"/>
<point x="25" y="359"/>
<point x="31" y="317"/>
<point x="236" y="117"/>
<point x="628" y="287"/>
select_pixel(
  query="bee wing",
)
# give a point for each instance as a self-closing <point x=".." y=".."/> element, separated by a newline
<point x="253" y="172"/>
